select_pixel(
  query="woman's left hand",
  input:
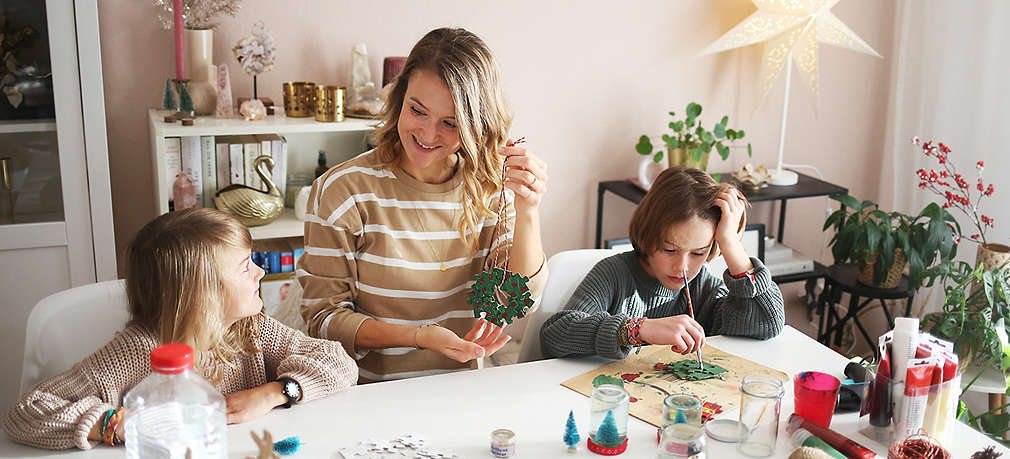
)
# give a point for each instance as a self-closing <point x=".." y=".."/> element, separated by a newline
<point x="727" y="232"/>
<point x="526" y="176"/>
<point x="252" y="403"/>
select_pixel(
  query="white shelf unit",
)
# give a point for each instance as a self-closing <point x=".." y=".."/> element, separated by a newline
<point x="19" y="126"/>
<point x="305" y="137"/>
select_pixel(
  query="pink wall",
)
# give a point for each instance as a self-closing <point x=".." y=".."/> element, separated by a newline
<point x="585" y="78"/>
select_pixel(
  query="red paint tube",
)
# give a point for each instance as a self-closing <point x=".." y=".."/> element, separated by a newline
<point x="879" y="396"/>
<point x="843" y="444"/>
<point x="918" y="379"/>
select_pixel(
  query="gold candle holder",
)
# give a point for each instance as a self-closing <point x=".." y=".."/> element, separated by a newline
<point x="299" y="98"/>
<point x="330" y="103"/>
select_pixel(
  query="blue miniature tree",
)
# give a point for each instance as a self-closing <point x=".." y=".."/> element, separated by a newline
<point x="571" y="433"/>
<point x="607" y="433"/>
<point x="680" y="418"/>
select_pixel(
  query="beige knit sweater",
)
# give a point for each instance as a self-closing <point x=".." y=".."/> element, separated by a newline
<point x="59" y="412"/>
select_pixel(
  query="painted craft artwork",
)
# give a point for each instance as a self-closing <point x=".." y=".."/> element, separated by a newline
<point x="500" y="283"/>
<point x="657" y="372"/>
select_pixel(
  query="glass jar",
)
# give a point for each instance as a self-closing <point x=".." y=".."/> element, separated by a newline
<point x="760" y="407"/>
<point x="682" y="408"/>
<point x="608" y="412"/>
<point x="503" y="443"/>
<point x="681" y="440"/>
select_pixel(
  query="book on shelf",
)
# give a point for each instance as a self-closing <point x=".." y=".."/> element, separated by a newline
<point x="192" y="165"/>
<point x="214" y="163"/>
<point x="297" y="249"/>
<point x="223" y="164"/>
<point x="274" y="255"/>
<point x="173" y="164"/>
<point x="274" y="290"/>
<point x="209" y="157"/>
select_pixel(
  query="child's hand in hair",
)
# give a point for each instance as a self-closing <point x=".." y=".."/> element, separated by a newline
<point x="727" y="232"/>
<point x="526" y="176"/>
<point x="252" y="403"/>
<point x="482" y="340"/>
<point x="682" y="333"/>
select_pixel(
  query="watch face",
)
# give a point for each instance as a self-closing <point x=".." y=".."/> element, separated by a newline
<point x="291" y="389"/>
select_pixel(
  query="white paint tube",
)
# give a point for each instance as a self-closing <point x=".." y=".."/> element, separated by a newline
<point x="929" y="422"/>
<point x="905" y="340"/>
<point x="947" y="405"/>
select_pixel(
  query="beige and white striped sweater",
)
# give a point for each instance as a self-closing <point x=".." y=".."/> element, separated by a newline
<point x="375" y="242"/>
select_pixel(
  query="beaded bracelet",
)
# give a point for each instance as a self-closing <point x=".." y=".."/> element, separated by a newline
<point x="105" y="423"/>
<point x="418" y="330"/>
<point x="109" y="435"/>
<point x="630" y="332"/>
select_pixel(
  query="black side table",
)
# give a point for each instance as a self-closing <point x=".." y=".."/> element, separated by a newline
<point x="843" y="278"/>
<point x="806" y="187"/>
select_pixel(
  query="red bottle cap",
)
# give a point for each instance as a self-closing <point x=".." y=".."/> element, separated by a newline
<point x="172" y="358"/>
<point x="605" y="451"/>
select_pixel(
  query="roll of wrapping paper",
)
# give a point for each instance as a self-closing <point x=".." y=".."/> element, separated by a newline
<point x="843" y="444"/>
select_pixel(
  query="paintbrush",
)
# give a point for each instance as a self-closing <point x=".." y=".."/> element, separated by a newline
<point x="690" y="310"/>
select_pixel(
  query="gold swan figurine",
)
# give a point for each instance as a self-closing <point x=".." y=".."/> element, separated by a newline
<point x="251" y="206"/>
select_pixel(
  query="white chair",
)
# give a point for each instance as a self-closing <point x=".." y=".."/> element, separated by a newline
<point x="565" y="272"/>
<point x="67" y="326"/>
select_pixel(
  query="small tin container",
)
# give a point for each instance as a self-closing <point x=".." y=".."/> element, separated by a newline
<point x="503" y="443"/>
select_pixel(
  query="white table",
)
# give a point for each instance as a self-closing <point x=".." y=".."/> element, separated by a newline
<point x="458" y="411"/>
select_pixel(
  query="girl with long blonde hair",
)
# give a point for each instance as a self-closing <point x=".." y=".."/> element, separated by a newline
<point x="394" y="237"/>
<point x="189" y="280"/>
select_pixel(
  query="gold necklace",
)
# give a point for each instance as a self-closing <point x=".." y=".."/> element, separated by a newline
<point x="445" y="253"/>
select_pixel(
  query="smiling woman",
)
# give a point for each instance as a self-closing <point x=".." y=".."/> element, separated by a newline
<point x="394" y="237"/>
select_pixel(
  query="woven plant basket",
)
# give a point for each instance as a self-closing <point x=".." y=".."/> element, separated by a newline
<point x="893" y="275"/>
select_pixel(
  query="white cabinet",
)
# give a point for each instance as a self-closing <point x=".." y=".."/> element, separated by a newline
<point x="61" y="232"/>
<point x="305" y="137"/>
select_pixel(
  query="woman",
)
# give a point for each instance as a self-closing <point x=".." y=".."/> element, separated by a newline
<point x="394" y="237"/>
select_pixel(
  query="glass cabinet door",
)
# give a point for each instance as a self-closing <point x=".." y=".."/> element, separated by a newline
<point x="30" y="186"/>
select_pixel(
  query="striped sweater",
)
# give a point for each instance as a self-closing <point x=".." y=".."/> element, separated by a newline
<point x="618" y="288"/>
<point x="376" y="240"/>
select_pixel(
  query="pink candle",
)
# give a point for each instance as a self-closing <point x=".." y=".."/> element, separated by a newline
<point x="180" y="65"/>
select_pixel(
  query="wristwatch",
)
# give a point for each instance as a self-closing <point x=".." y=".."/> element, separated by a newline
<point x="290" y="389"/>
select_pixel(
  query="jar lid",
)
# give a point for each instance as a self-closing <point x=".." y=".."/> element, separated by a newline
<point x="172" y="358"/>
<point x="725" y="430"/>
<point x="605" y="451"/>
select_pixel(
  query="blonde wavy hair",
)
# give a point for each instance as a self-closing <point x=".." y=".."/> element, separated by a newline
<point x="483" y="116"/>
<point x="175" y="290"/>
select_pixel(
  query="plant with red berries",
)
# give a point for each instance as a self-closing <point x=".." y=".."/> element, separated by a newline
<point x="955" y="188"/>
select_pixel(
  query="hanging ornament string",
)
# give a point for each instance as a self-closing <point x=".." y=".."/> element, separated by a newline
<point x="502" y="223"/>
<point x="488" y="285"/>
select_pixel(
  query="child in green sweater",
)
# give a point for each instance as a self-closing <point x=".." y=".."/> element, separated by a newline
<point x="636" y="298"/>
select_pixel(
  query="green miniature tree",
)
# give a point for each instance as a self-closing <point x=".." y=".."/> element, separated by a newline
<point x="571" y="433"/>
<point x="185" y="101"/>
<point x="168" y="100"/>
<point x="606" y="435"/>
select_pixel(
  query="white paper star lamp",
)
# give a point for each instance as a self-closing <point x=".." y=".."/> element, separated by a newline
<point x="791" y="28"/>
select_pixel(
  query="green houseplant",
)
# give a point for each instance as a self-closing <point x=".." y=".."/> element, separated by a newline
<point x="868" y="236"/>
<point x="975" y="316"/>
<point x="691" y="143"/>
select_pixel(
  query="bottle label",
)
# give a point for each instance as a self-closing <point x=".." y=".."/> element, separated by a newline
<point x="503" y="450"/>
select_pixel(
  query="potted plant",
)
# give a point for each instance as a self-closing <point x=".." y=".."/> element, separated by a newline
<point x="966" y="197"/>
<point x="976" y="320"/>
<point x="691" y="143"/>
<point x="882" y="243"/>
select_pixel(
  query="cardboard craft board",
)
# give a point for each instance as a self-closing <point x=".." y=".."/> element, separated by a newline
<point x="648" y="387"/>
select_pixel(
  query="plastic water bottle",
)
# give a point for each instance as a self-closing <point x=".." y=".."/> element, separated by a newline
<point x="175" y="410"/>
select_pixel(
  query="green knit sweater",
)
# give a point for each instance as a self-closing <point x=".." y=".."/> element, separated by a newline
<point x="618" y="289"/>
